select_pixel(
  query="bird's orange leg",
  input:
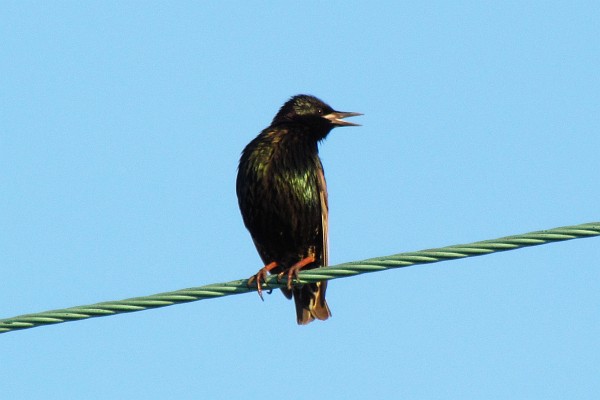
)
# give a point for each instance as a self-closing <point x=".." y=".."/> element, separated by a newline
<point x="292" y="273"/>
<point x="261" y="276"/>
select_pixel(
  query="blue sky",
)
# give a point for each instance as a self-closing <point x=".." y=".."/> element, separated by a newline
<point x="121" y="128"/>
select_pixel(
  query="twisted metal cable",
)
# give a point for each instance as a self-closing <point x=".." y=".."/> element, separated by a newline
<point x="313" y="275"/>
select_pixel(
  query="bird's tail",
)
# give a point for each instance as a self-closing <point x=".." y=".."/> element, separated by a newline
<point x="310" y="302"/>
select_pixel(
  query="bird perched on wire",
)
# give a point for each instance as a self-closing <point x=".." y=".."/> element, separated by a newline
<point x="283" y="199"/>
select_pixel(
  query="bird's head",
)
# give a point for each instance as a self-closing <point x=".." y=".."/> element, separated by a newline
<point x="310" y="111"/>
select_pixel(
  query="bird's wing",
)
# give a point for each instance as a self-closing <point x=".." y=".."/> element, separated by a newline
<point x="322" y="185"/>
<point x="310" y="298"/>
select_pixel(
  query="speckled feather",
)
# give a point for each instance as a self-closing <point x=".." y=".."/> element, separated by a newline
<point x="283" y="196"/>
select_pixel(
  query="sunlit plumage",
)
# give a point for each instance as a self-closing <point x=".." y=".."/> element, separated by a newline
<point x="283" y="198"/>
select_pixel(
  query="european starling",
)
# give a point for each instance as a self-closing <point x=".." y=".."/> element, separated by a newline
<point x="283" y="198"/>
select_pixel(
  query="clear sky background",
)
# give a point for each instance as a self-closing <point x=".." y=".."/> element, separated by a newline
<point x="121" y="125"/>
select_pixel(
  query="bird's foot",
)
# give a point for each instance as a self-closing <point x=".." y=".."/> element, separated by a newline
<point x="292" y="272"/>
<point x="261" y="277"/>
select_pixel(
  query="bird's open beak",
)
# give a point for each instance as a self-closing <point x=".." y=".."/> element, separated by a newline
<point x="337" y="118"/>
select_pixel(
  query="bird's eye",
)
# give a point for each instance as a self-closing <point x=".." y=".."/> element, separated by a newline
<point x="320" y="111"/>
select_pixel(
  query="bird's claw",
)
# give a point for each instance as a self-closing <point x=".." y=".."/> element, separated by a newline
<point x="292" y="274"/>
<point x="261" y="278"/>
<point x="293" y="271"/>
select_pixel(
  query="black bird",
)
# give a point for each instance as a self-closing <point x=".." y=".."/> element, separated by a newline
<point x="283" y="198"/>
